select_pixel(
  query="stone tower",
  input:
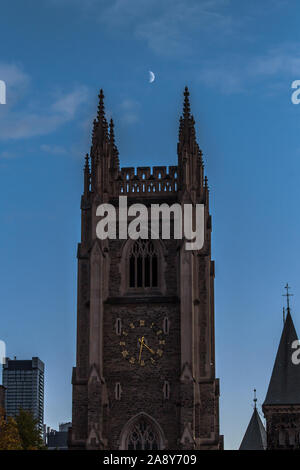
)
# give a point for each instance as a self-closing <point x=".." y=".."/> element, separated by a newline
<point x="282" y="403"/>
<point x="145" y="365"/>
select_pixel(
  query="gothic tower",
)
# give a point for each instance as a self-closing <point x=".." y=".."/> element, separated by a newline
<point x="145" y="365"/>
<point x="282" y="403"/>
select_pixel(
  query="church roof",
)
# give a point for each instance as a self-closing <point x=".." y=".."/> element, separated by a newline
<point x="255" y="437"/>
<point x="284" y="387"/>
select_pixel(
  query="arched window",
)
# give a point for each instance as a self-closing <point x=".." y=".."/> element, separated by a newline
<point x="143" y="265"/>
<point x="142" y="436"/>
<point x="142" y="432"/>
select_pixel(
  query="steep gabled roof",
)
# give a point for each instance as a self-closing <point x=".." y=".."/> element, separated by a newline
<point x="255" y="437"/>
<point x="284" y="387"/>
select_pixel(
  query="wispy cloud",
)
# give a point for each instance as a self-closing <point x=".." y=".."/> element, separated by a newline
<point x="53" y="149"/>
<point x="234" y="74"/>
<point x="16" y="81"/>
<point x="129" y="111"/>
<point x="67" y="104"/>
<point x="13" y="75"/>
<point x="167" y="26"/>
<point x="33" y="119"/>
<point x="7" y="155"/>
<point x="177" y="28"/>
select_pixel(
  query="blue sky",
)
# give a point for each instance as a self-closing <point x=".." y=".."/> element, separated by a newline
<point x="239" y="60"/>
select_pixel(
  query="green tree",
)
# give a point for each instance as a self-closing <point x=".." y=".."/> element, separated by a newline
<point x="9" y="434"/>
<point x="28" y="430"/>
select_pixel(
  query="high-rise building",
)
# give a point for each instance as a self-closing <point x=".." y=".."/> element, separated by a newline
<point x="24" y="383"/>
<point x="145" y="292"/>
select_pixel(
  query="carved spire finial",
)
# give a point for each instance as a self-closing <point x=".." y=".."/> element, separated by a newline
<point x="100" y="128"/>
<point x="101" y="109"/>
<point x="287" y="295"/>
<point x="254" y="399"/>
<point x="186" y="104"/>
<point x="187" y="134"/>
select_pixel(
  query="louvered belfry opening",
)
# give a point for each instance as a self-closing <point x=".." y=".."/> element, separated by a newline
<point x="143" y="265"/>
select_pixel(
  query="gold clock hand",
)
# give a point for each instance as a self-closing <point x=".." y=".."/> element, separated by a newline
<point x="142" y="343"/>
<point x="151" y="350"/>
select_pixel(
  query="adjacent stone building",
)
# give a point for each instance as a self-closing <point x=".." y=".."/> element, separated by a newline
<point x="281" y="407"/>
<point x="282" y="403"/>
<point x="145" y="365"/>
<point x="255" y="437"/>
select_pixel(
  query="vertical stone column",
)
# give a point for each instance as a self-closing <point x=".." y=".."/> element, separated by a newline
<point x="186" y="325"/>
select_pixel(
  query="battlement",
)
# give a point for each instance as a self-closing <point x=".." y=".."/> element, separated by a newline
<point x="143" y="181"/>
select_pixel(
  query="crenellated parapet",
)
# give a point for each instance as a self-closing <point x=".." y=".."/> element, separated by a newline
<point x="146" y="181"/>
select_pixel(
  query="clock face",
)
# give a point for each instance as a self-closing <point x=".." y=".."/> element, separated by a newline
<point x="142" y="343"/>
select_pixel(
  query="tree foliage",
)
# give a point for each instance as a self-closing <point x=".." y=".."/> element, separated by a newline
<point x="9" y="434"/>
<point x="28" y="430"/>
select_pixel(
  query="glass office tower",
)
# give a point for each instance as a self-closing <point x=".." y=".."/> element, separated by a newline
<point x="24" y="383"/>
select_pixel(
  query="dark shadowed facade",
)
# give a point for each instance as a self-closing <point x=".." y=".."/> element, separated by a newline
<point x="282" y="404"/>
<point x="255" y="437"/>
<point x="150" y="292"/>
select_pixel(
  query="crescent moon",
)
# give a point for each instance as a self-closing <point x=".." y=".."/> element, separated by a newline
<point x="151" y="77"/>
